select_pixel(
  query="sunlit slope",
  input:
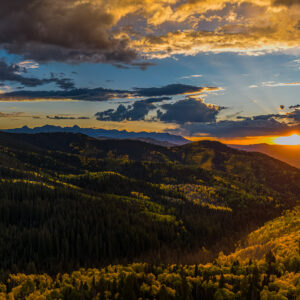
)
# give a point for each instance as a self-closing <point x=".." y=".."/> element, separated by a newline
<point x="274" y="276"/>
<point x="281" y="236"/>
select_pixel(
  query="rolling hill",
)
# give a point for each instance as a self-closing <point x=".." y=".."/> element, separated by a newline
<point x="70" y="201"/>
<point x="153" y="137"/>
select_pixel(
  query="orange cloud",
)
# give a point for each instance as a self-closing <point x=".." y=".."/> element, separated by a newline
<point x="251" y="27"/>
<point x="125" y="31"/>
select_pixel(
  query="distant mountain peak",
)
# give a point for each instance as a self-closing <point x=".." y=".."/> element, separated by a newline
<point x="151" y="137"/>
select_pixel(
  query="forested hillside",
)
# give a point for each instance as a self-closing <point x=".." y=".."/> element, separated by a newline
<point x="70" y="201"/>
<point x="267" y="267"/>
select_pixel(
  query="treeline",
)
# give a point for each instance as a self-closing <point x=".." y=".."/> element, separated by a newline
<point x="52" y="229"/>
<point x="267" y="268"/>
<point x="50" y="225"/>
<point x="264" y="280"/>
<point x="47" y="228"/>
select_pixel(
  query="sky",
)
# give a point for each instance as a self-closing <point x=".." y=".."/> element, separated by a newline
<point x="203" y="69"/>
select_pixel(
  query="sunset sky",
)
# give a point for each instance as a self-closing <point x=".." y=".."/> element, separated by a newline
<point x="226" y="69"/>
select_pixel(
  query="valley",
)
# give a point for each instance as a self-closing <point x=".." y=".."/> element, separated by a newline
<point x="69" y="201"/>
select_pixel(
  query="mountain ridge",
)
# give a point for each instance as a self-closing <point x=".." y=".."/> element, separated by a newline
<point x="287" y="153"/>
<point x="105" y="133"/>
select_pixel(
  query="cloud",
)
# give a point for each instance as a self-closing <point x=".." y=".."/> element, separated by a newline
<point x="190" y="110"/>
<point x="141" y="65"/>
<point x="229" y="129"/>
<point x="265" y="117"/>
<point x="125" y="32"/>
<point x="182" y="111"/>
<point x="278" y="84"/>
<point x="84" y="94"/>
<point x="294" y="106"/>
<point x="286" y="2"/>
<point x="68" y="31"/>
<point x="102" y="94"/>
<point x="294" y="115"/>
<point x="28" y="64"/>
<point x="13" y="73"/>
<point x="274" y="84"/>
<point x="138" y="111"/>
<point x="173" y="89"/>
<point x="67" y="118"/>
<point x="157" y="99"/>
<point x="242" y="39"/>
<point x="252" y="27"/>
<point x="260" y="125"/>
<point x="9" y="115"/>
<point x="192" y="76"/>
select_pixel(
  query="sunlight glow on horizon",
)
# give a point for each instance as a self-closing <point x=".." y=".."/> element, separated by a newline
<point x="293" y="139"/>
<point x="247" y="140"/>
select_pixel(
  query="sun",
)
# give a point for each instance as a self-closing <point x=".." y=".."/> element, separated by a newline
<point x="293" y="139"/>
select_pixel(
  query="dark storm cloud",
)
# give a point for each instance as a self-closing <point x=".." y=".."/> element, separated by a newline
<point x="102" y="94"/>
<point x="138" y="111"/>
<point x="13" y="73"/>
<point x="190" y="110"/>
<point x="66" y="31"/>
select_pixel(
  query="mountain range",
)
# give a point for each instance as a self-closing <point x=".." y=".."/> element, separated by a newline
<point x="164" y="139"/>
<point x="288" y="154"/>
